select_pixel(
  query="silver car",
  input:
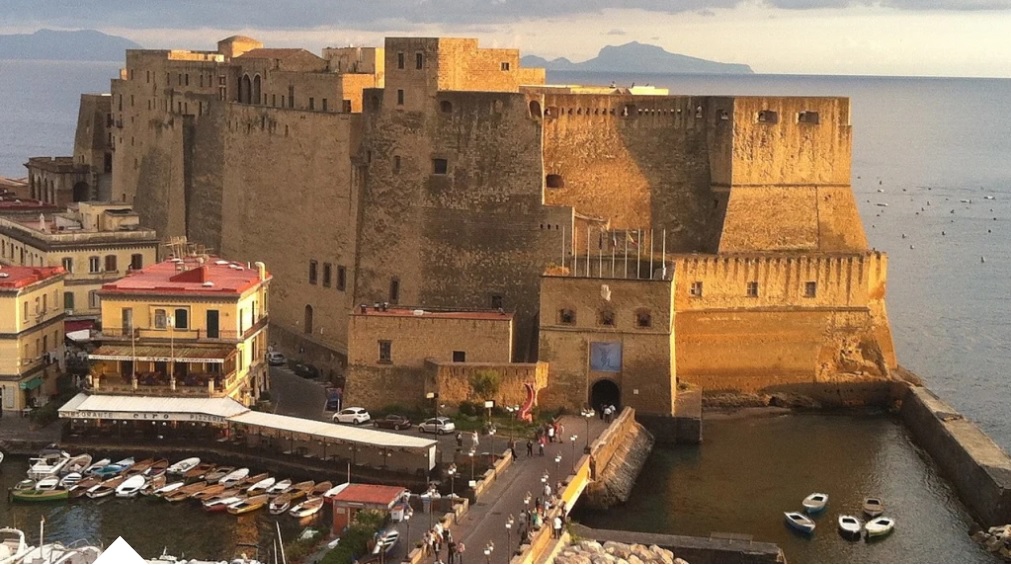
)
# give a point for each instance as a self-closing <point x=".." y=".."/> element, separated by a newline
<point x="437" y="426"/>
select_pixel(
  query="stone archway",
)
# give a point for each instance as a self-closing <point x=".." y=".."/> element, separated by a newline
<point x="82" y="192"/>
<point x="307" y="323"/>
<point x="605" y="392"/>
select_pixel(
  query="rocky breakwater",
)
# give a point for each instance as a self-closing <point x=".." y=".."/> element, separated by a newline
<point x="996" y="540"/>
<point x="616" y="459"/>
<point x="589" y="551"/>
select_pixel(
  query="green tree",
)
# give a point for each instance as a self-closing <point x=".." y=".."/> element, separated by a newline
<point x="485" y="383"/>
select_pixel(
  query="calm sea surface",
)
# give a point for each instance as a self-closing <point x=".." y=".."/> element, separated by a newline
<point x="922" y="146"/>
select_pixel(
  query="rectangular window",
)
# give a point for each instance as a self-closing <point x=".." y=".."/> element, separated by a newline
<point x="93" y="301"/>
<point x="440" y="166"/>
<point x="94" y="265"/>
<point x="212" y="323"/>
<point x="459" y="356"/>
<point x="187" y="79"/>
<point x="68" y="264"/>
<point x="810" y="289"/>
<point x="346" y="106"/>
<point x="696" y="289"/>
<point x="400" y="97"/>
<point x="312" y="103"/>
<point x="753" y="289"/>
<point x="291" y="96"/>
<point x="394" y="291"/>
<point x="324" y="105"/>
<point x="419" y="61"/>
<point x="312" y="272"/>
<point x="342" y="278"/>
<point x="136" y="261"/>
<point x="396" y="163"/>
<point x="273" y="100"/>
<point x="400" y="60"/>
<point x="497" y="301"/>
<point x="505" y="66"/>
<point x="807" y="117"/>
<point x="326" y="274"/>
<point x="110" y="263"/>
<point x="160" y="319"/>
<point x="68" y="300"/>
<point x="385" y="351"/>
<point x="127" y="320"/>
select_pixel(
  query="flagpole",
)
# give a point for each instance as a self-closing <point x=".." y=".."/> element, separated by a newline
<point x="626" y="253"/>
<point x="650" y="253"/>
<point x="638" y="252"/>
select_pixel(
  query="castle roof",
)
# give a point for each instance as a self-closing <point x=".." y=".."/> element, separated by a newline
<point x="189" y="276"/>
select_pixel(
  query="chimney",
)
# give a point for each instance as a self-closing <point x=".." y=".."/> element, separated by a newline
<point x="364" y="308"/>
<point x="262" y="270"/>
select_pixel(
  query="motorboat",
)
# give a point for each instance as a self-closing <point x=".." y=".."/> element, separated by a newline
<point x="279" y="487"/>
<point x="124" y="463"/>
<point x="139" y="467"/>
<point x="280" y="504"/>
<point x="873" y="507"/>
<point x="153" y="484"/>
<point x="879" y="527"/>
<point x="261" y="486"/>
<point x="799" y="522"/>
<point x="169" y="488"/>
<point x="218" y="473"/>
<point x="70" y="480"/>
<point x="815" y="502"/>
<point x="209" y="491"/>
<point x="83" y="486"/>
<point x="157" y="469"/>
<point x="221" y="501"/>
<point x="307" y="508"/>
<point x="49" y="462"/>
<point x="248" y="504"/>
<point x="105" y="488"/>
<point x="850" y="527"/>
<point x="48" y="483"/>
<point x="95" y="465"/>
<point x="57" y="553"/>
<point x="12" y="545"/>
<point x="320" y="489"/>
<point x="235" y="477"/>
<point x="180" y="467"/>
<point x="198" y="471"/>
<point x="182" y="493"/>
<point x="36" y="495"/>
<point x="131" y="486"/>
<point x="77" y="463"/>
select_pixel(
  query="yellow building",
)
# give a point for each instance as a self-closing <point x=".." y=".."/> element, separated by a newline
<point x="31" y="334"/>
<point x="190" y="327"/>
<point x="95" y="243"/>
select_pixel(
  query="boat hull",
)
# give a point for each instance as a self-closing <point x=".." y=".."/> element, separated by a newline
<point x="40" y="495"/>
<point x="799" y="524"/>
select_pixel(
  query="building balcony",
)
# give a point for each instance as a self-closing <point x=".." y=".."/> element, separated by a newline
<point x="165" y="335"/>
<point x="155" y="383"/>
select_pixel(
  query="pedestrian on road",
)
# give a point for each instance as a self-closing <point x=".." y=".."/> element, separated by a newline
<point x="540" y="446"/>
<point x="551" y="433"/>
<point x="560" y="431"/>
<point x="450" y="551"/>
<point x="474" y="440"/>
<point x="547" y="491"/>
<point x="530" y="447"/>
<point x="557" y="527"/>
<point x="512" y="448"/>
<point x="459" y="441"/>
<point x="460" y="548"/>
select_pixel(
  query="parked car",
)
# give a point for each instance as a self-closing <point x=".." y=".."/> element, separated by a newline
<point x="440" y="425"/>
<point x="354" y="415"/>
<point x="392" y="421"/>
<point x="275" y="358"/>
<point x="307" y="371"/>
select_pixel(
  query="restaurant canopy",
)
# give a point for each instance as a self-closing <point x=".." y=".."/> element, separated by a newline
<point x="161" y="353"/>
<point x="336" y="432"/>
<point x="154" y="408"/>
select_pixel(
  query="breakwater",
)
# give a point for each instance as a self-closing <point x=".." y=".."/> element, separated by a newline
<point x="713" y="549"/>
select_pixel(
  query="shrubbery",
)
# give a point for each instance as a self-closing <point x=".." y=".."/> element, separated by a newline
<point x="355" y="539"/>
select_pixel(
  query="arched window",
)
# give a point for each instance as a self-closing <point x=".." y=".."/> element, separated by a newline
<point x="554" y="181"/>
<point x="308" y="319"/>
<point x="245" y="89"/>
<point x="567" y="316"/>
<point x="535" y="108"/>
<point x="256" y="89"/>
<point x="446" y="106"/>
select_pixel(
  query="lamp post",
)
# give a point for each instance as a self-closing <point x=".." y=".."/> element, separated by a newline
<point x="490" y="547"/>
<point x="407" y="518"/>
<point x="434" y="397"/>
<point x="587" y="414"/>
<point x="170" y="323"/>
<point x="452" y="478"/>
<point x="509" y="536"/>
<point x="572" y="441"/>
<point x="558" y="464"/>
<point x="471" y="454"/>
<point x="491" y="445"/>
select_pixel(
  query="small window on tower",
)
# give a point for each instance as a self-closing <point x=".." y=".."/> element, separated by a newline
<point x="567" y="316"/>
<point x="810" y="289"/>
<point x="696" y="289"/>
<point x="606" y="318"/>
<point x="752" y="289"/>
<point x="440" y="166"/>
<point x="505" y="66"/>
<point x="419" y="61"/>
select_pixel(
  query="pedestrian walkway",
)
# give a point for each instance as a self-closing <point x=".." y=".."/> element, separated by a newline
<point x="485" y="522"/>
<point x="19" y="435"/>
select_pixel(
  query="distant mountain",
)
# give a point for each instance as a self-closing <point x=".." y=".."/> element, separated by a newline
<point x="82" y="45"/>
<point x="637" y="57"/>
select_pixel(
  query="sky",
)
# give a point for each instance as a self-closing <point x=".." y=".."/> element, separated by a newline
<point x="852" y="37"/>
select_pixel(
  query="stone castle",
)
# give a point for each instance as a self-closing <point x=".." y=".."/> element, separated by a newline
<point x="633" y="241"/>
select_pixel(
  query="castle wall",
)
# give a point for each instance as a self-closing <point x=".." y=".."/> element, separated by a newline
<point x="91" y="142"/>
<point x="453" y="381"/>
<point x="637" y="161"/>
<point x="646" y="374"/>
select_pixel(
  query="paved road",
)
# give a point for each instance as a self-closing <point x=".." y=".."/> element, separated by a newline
<point x="297" y="396"/>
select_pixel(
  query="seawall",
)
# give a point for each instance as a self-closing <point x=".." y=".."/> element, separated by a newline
<point x="977" y="467"/>
<point x="735" y="549"/>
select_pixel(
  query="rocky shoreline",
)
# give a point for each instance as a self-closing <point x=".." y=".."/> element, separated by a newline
<point x="590" y="551"/>
<point x="996" y="540"/>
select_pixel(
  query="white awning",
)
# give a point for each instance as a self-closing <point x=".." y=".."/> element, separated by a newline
<point x="154" y="408"/>
<point x="331" y="431"/>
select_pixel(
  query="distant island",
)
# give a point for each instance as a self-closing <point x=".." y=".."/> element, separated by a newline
<point x="82" y="45"/>
<point x="638" y="57"/>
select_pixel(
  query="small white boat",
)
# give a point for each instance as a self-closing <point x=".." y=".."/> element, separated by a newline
<point x="49" y="462"/>
<point x="235" y="477"/>
<point x="124" y="463"/>
<point x="815" y="502"/>
<point x="279" y="487"/>
<point x="221" y="503"/>
<point x="799" y="522"/>
<point x="105" y="488"/>
<point x="280" y="504"/>
<point x="130" y="487"/>
<point x="879" y="527"/>
<point x="70" y="480"/>
<point x="850" y="527"/>
<point x="25" y="484"/>
<point x="335" y="490"/>
<point x="171" y="487"/>
<point x="180" y="467"/>
<point x="307" y="508"/>
<point x="12" y="545"/>
<point x="873" y="507"/>
<point x="261" y="487"/>
<point x="48" y="483"/>
<point x="96" y="465"/>
<point x="77" y="463"/>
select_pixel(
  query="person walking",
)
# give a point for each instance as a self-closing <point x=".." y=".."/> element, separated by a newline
<point x="460" y="548"/>
<point x="557" y="529"/>
<point x="560" y="431"/>
<point x="530" y="447"/>
<point x="459" y="441"/>
<point x="474" y="440"/>
<point x="551" y="433"/>
<point x="540" y="446"/>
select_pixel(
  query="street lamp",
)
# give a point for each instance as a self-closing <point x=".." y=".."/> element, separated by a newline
<point x="407" y="518"/>
<point x="572" y="441"/>
<point x="434" y="397"/>
<point x="558" y="462"/>
<point x="490" y="547"/>
<point x="452" y="478"/>
<point x="471" y="454"/>
<point x="587" y="414"/>
<point x="509" y="536"/>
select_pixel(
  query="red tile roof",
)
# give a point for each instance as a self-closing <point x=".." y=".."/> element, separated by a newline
<point x="20" y="277"/>
<point x="189" y="276"/>
<point x="403" y="312"/>
<point x="369" y="494"/>
<point x="24" y="204"/>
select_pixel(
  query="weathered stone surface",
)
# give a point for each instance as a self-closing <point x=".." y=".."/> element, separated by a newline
<point x="612" y="552"/>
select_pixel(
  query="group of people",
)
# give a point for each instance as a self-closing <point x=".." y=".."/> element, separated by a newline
<point x="435" y="539"/>
<point x="548" y="433"/>
<point x="607" y="412"/>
